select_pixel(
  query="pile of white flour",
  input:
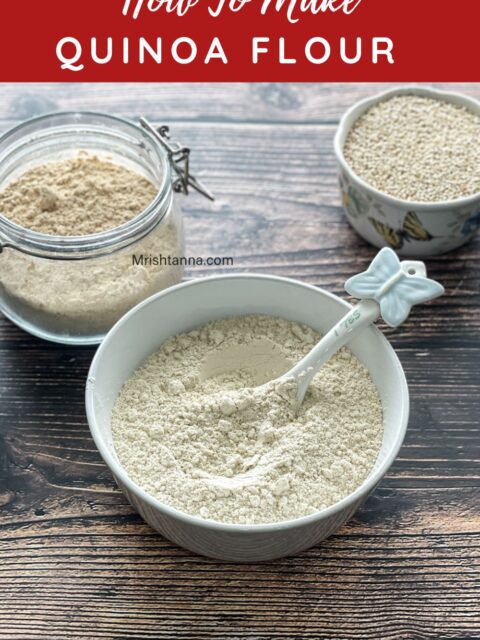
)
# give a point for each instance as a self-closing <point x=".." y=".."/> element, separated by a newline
<point x="191" y="428"/>
<point x="76" y="196"/>
<point x="79" y="196"/>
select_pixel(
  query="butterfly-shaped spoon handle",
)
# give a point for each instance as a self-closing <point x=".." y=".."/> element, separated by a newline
<point x="389" y="288"/>
<point x="396" y="286"/>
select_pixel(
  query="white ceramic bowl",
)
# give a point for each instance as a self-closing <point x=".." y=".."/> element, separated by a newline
<point x="186" y="306"/>
<point x="380" y="218"/>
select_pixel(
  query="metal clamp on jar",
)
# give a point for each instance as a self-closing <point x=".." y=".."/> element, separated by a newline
<point x="72" y="289"/>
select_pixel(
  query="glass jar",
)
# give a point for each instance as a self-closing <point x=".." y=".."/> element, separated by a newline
<point x="73" y="289"/>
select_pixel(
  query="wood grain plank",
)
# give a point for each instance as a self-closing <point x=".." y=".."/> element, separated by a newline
<point x="223" y="102"/>
<point x="77" y="562"/>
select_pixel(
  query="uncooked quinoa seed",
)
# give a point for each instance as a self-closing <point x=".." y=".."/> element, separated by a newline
<point x="417" y="148"/>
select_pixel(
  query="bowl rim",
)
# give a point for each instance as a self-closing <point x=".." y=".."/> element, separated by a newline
<point x="122" y="477"/>
<point x="359" y="107"/>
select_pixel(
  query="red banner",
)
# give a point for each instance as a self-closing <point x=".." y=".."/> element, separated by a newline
<point x="239" y="40"/>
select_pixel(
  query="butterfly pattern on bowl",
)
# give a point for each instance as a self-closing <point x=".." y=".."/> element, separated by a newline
<point x="411" y="232"/>
<point x="356" y="205"/>
<point x="411" y="229"/>
<point x="352" y="201"/>
<point x="466" y="223"/>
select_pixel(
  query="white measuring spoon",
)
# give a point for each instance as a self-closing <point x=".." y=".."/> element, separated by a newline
<point x="388" y="288"/>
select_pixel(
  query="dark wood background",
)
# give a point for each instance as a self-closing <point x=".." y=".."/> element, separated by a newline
<point x="77" y="562"/>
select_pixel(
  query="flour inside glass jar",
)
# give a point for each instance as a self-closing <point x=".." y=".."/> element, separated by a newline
<point x="77" y="197"/>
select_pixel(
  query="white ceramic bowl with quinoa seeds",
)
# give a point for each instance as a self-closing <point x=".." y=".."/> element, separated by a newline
<point x="283" y="528"/>
<point x="409" y="169"/>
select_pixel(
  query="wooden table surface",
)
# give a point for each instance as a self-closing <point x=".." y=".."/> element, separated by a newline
<point x="77" y="562"/>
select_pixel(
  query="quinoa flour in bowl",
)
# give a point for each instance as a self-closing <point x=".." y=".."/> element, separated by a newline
<point x="249" y="457"/>
<point x="176" y="439"/>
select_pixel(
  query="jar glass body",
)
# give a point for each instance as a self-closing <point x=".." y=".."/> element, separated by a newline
<point x="73" y="289"/>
